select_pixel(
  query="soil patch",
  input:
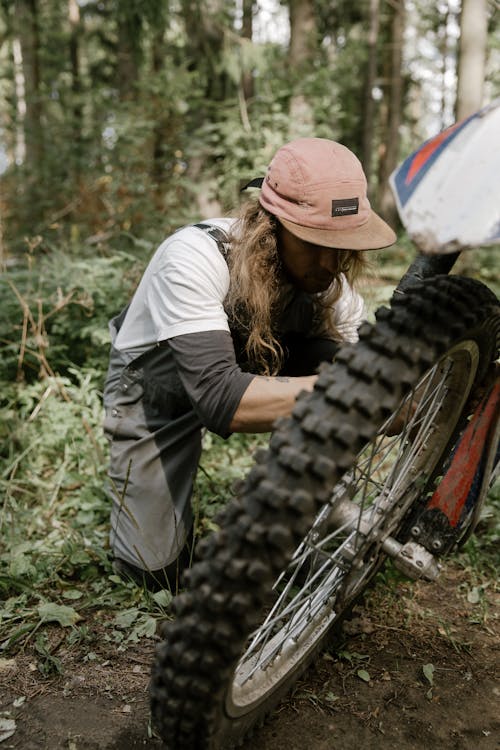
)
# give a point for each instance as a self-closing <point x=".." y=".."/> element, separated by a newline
<point x="416" y="668"/>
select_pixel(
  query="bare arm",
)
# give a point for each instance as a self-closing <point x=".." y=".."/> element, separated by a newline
<point x="266" y="399"/>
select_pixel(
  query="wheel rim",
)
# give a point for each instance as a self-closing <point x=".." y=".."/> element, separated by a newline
<point x="334" y="562"/>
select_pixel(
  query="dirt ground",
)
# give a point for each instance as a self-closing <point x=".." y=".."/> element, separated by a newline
<point x="417" y="668"/>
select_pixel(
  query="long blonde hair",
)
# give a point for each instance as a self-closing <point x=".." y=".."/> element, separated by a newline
<point x="258" y="288"/>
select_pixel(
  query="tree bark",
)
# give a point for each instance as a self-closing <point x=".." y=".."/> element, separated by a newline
<point x="160" y="129"/>
<point x="247" y="81"/>
<point x="19" y="150"/>
<point x="471" y="57"/>
<point x="28" y="33"/>
<point x="390" y="154"/>
<point x="371" y="73"/>
<point x="76" y="84"/>
<point x="443" y="51"/>
<point x="128" y="53"/>
<point x="204" y="21"/>
<point x="302" y="51"/>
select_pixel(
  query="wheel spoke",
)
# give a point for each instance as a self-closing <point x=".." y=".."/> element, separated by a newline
<point x="376" y="482"/>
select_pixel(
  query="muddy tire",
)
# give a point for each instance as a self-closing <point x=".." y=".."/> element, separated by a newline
<point x="283" y="569"/>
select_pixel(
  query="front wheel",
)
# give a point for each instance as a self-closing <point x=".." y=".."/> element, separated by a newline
<point x="319" y="511"/>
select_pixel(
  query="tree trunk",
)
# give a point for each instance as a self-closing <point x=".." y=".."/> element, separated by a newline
<point x="471" y="57"/>
<point x="371" y="73"/>
<point x="443" y="53"/>
<point x="76" y="84"/>
<point x="128" y="53"/>
<point x="204" y="22"/>
<point x="29" y="48"/>
<point x="19" y="151"/>
<point x="301" y="56"/>
<point x="390" y="154"/>
<point x="247" y="81"/>
<point x="160" y="112"/>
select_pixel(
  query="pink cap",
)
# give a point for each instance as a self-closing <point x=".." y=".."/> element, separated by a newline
<point x="317" y="190"/>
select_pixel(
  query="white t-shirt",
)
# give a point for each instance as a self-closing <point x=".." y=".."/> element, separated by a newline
<point x="183" y="291"/>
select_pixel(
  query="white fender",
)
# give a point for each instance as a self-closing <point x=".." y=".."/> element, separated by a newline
<point x="448" y="191"/>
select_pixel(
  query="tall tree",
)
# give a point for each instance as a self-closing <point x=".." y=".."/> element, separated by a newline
<point x="76" y="83"/>
<point x="371" y="72"/>
<point x="444" y="44"/>
<point x="205" y="23"/>
<point x="160" y="113"/>
<point x="129" y="25"/>
<point x="28" y="33"/>
<point x="18" y="152"/>
<point x="472" y="56"/>
<point x="247" y="34"/>
<point x="389" y="156"/>
<point x="302" y="53"/>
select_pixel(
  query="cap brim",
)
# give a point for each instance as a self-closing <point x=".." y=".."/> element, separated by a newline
<point x="372" y="235"/>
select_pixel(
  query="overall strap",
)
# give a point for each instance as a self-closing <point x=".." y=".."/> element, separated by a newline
<point x="222" y="240"/>
<point x="217" y="234"/>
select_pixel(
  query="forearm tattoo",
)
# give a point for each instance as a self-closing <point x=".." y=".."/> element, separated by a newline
<point x="279" y="378"/>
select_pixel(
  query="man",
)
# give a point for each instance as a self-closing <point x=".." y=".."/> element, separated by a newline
<point x="229" y="323"/>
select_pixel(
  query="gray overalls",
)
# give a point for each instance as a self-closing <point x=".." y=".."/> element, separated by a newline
<point x="155" y="435"/>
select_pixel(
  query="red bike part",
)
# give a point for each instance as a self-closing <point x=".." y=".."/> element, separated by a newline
<point x="452" y="494"/>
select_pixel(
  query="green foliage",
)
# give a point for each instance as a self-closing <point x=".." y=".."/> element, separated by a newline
<point x="223" y="464"/>
<point x="481" y="264"/>
<point x="122" y="153"/>
<point x="54" y="517"/>
<point x="238" y="155"/>
<point x="52" y="476"/>
<point x="56" y="309"/>
<point x="54" y="512"/>
<point x="481" y="550"/>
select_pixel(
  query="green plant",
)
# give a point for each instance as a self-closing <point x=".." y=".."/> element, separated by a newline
<point x="223" y="464"/>
<point x="56" y="310"/>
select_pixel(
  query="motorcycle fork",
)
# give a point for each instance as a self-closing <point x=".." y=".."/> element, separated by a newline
<point x="461" y="493"/>
<point x="435" y="529"/>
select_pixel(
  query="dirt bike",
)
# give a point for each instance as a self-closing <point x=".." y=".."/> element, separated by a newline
<point x="390" y="456"/>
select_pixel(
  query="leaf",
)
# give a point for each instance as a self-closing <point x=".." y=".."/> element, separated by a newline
<point x="346" y="655"/>
<point x="125" y="619"/>
<point x="72" y="594"/>
<point x="61" y="613"/>
<point x="21" y="567"/>
<point x="7" y="728"/>
<point x="212" y="526"/>
<point x="359" y="657"/>
<point x="80" y="557"/>
<point x="363" y="675"/>
<point x="474" y="595"/>
<point x="162" y="597"/>
<point x="146" y="626"/>
<point x="428" y="670"/>
<point x="331" y="697"/>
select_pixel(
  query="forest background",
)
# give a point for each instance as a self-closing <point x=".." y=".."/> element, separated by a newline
<point x="119" y="122"/>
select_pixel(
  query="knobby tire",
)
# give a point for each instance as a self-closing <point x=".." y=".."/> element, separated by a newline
<point x="196" y="703"/>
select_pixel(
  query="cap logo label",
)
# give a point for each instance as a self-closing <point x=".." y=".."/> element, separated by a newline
<point x="345" y="207"/>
